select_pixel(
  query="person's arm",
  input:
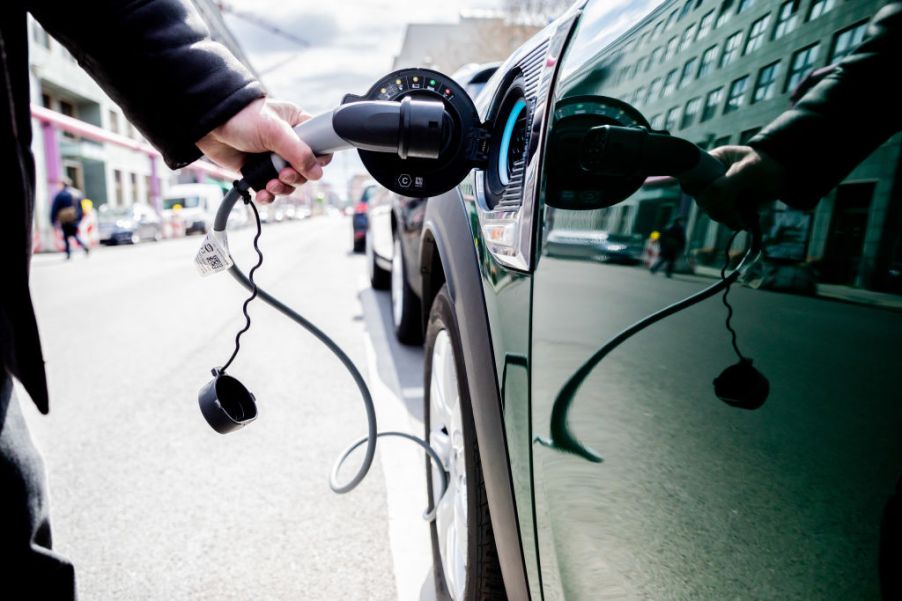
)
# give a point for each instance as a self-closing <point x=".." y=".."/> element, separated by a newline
<point x="842" y="119"/>
<point x="177" y="86"/>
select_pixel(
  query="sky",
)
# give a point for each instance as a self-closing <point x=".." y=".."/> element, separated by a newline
<point x="352" y="42"/>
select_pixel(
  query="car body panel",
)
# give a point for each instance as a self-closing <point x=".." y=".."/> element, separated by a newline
<point x="696" y="499"/>
<point x="448" y="255"/>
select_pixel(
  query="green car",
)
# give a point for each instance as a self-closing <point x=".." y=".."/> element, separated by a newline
<point x="577" y="478"/>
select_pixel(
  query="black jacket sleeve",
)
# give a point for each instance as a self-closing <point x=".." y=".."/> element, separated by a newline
<point x="842" y="119"/>
<point x="156" y="60"/>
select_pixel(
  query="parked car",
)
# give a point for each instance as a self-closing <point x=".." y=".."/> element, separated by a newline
<point x="360" y="219"/>
<point x="128" y="225"/>
<point x="394" y="231"/>
<point x="582" y="479"/>
<point x="625" y="249"/>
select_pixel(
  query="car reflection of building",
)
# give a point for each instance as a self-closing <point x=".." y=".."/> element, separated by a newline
<point x="80" y="133"/>
<point x="719" y="79"/>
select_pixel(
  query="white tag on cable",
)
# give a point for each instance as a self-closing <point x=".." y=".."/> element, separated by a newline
<point x="213" y="255"/>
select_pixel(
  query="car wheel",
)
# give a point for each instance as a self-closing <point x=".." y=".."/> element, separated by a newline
<point x="405" y="305"/>
<point x="465" y="561"/>
<point x="380" y="279"/>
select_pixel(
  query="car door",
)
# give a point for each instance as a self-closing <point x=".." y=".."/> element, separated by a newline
<point x="647" y="485"/>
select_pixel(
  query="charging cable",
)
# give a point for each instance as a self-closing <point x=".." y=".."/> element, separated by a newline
<point x="227" y="405"/>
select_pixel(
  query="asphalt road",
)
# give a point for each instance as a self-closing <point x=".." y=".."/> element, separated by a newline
<point x="149" y="502"/>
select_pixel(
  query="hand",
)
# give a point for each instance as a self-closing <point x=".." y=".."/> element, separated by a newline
<point x="752" y="178"/>
<point x="265" y="125"/>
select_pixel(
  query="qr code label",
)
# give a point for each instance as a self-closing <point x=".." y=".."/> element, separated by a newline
<point x="213" y="255"/>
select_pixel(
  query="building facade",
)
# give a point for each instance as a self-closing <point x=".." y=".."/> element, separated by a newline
<point x="717" y="71"/>
<point x="80" y="133"/>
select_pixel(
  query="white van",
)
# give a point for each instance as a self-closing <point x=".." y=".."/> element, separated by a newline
<point x="196" y="205"/>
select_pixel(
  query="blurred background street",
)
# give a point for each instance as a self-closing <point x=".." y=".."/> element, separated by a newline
<point x="149" y="502"/>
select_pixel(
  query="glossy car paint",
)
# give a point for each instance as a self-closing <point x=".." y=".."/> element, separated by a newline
<point x="695" y="499"/>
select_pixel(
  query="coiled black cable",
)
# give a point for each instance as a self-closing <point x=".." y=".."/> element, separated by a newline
<point x="240" y="190"/>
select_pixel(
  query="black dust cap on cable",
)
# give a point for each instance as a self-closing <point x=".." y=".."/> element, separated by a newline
<point x="226" y="404"/>
<point x="742" y="386"/>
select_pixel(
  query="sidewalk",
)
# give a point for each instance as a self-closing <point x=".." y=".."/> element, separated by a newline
<point x="834" y="291"/>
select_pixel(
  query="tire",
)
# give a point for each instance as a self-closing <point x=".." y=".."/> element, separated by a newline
<point x="380" y="279"/>
<point x="406" y="306"/>
<point x="481" y="580"/>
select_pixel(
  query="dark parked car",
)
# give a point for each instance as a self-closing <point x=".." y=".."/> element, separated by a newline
<point x="360" y="219"/>
<point x="128" y="225"/>
<point x="578" y="478"/>
<point x="625" y="249"/>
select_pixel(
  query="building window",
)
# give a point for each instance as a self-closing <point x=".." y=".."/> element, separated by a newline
<point x="118" y="192"/>
<point x="787" y="18"/>
<point x="641" y="65"/>
<point x="688" y="36"/>
<point x="657" y="121"/>
<point x="45" y="100"/>
<point x="624" y="74"/>
<point x="673" y="119"/>
<point x="686" y="8"/>
<point x="747" y="135"/>
<point x="686" y="75"/>
<point x="134" y="181"/>
<point x="847" y="40"/>
<point x="654" y="90"/>
<point x="658" y="29"/>
<point x="744" y="5"/>
<point x="709" y="56"/>
<point x="639" y="95"/>
<point x="766" y="83"/>
<point x="802" y="62"/>
<point x="819" y="7"/>
<point x="114" y="121"/>
<point x="671" y="20"/>
<point x="731" y="49"/>
<point x="705" y="25"/>
<point x="691" y="112"/>
<point x="712" y="101"/>
<point x="656" y="57"/>
<point x="671" y="48"/>
<point x="670" y="83"/>
<point x="39" y="35"/>
<point x="737" y="93"/>
<point x="756" y="34"/>
<point x="643" y="38"/>
<point x="726" y="11"/>
<point x="148" y="190"/>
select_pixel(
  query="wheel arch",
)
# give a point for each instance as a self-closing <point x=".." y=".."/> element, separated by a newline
<point x="448" y="255"/>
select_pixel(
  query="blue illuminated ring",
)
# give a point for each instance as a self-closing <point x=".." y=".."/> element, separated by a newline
<point x="512" y="117"/>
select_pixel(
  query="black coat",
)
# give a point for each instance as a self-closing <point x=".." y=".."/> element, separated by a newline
<point x="842" y="119"/>
<point x="155" y="59"/>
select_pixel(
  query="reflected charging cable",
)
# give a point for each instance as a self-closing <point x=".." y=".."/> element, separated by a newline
<point x="228" y="405"/>
<point x="611" y="150"/>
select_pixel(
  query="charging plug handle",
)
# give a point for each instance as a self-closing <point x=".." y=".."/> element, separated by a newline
<point x="410" y="128"/>
<point x="613" y="150"/>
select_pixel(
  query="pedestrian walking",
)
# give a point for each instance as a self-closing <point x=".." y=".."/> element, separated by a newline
<point x="67" y="213"/>
<point x="188" y="96"/>
<point x="671" y="242"/>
